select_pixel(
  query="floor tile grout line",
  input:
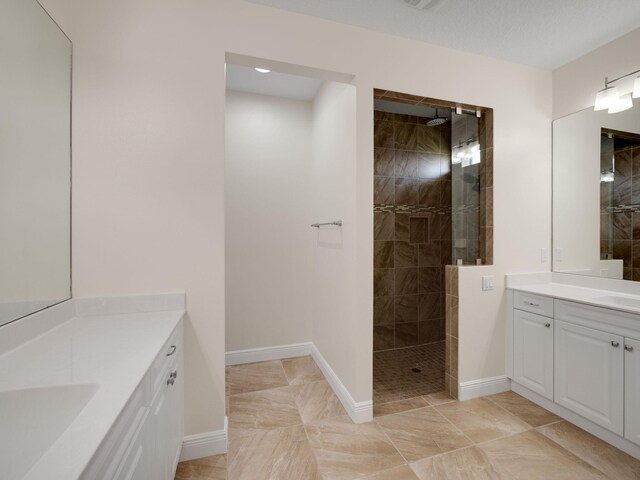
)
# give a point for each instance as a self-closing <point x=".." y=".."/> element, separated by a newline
<point x="510" y="413"/>
<point x="381" y="428"/>
<point x="516" y="416"/>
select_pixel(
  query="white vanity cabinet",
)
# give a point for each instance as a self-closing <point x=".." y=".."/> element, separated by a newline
<point x="533" y="352"/>
<point x="579" y="359"/>
<point x="589" y="374"/>
<point x="145" y="441"/>
<point x="632" y="390"/>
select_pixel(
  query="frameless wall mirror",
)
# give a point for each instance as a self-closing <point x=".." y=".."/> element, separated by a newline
<point x="596" y="193"/>
<point x="35" y="160"/>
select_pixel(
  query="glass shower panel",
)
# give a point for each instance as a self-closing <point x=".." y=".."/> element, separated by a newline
<point x="466" y="159"/>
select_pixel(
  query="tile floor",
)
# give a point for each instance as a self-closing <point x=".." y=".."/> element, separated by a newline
<point x="393" y="378"/>
<point x="285" y="423"/>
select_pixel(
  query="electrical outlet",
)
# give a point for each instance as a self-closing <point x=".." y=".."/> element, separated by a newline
<point x="543" y="255"/>
<point x="557" y="255"/>
<point x="488" y="282"/>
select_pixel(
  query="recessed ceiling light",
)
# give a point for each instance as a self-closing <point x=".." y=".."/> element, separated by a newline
<point x="263" y="70"/>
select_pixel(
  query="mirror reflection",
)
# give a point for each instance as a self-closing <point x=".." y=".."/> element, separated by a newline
<point x="596" y="194"/>
<point x="35" y="160"/>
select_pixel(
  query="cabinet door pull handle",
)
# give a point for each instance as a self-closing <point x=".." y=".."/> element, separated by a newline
<point x="547" y="325"/>
<point x="615" y="344"/>
<point x="531" y="304"/>
<point x="172" y="350"/>
<point x="628" y="348"/>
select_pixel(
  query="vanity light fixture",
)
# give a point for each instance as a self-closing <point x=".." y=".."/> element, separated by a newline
<point x="636" y="88"/>
<point x="621" y="104"/>
<point x="605" y="98"/>
<point x="263" y="70"/>
<point x="609" y="99"/>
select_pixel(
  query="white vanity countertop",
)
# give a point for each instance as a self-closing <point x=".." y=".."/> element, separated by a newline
<point x="112" y="353"/>
<point x="597" y="297"/>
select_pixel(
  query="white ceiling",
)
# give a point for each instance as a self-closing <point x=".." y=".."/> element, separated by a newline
<point x="248" y="80"/>
<point x="540" y="33"/>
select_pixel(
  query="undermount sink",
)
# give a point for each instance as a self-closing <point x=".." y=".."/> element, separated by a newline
<point x="32" y="419"/>
<point x="619" y="301"/>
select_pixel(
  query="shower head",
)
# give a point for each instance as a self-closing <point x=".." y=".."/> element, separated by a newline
<point x="434" y="122"/>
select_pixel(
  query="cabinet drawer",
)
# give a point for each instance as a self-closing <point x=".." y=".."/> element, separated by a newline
<point x="533" y="303"/>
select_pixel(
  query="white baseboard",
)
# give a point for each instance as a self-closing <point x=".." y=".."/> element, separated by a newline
<point x="359" y="412"/>
<point x="204" y="444"/>
<point x="594" y="429"/>
<point x="483" y="387"/>
<point x="240" y="357"/>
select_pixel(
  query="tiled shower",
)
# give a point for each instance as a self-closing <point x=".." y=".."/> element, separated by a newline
<point x="431" y="193"/>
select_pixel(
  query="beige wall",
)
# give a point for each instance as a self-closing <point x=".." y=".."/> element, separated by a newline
<point x="575" y="84"/>
<point x="268" y="198"/>
<point x="149" y="163"/>
<point x="335" y="332"/>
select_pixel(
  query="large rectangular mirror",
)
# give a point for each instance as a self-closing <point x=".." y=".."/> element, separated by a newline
<point x="35" y="160"/>
<point x="596" y="193"/>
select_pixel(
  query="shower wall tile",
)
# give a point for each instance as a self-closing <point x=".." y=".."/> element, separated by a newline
<point x="383" y="190"/>
<point x="402" y="118"/>
<point x="622" y="226"/>
<point x="429" y="280"/>
<point x="383" y="134"/>
<point x="383" y="282"/>
<point x="383" y="310"/>
<point x="429" y="254"/>
<point x="430" y="165"/>
<point x="406" y="309"/>
<point x="406" y="281"/>
<point x="428" y="306"/>
<point x="636" y="227"/>
<point x="377" y="116"/>
<point x="402" y="227"/>
<point x="428" y="139"/>
<point x="429" y="192"/>
<point x="383" y="162"/>
<point x="635" y="160"/>
<point x="383" y="337"/>
<point x="405" y="136"/>
<point x="406" y="335"/>
<point x="406" y="254"/>
<point x="429" y="331"/>
<point x="383" y="254"/>
<point x="383" y="226"/>
<point x="418" y="229"/>
<point x="406" y="190"/>
<point x="409" y="305"/>
<point x="406" y="164"/>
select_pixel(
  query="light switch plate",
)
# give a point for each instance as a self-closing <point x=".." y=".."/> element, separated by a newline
<point x="488" y="282"/>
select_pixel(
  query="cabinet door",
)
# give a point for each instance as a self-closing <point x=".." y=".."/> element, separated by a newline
<point x="533" y="352"/>
<point x="589" y="374"/>
<point x="167" y="422"/>
<point x="136" y="464"/>
<point x="632" y="390"/>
